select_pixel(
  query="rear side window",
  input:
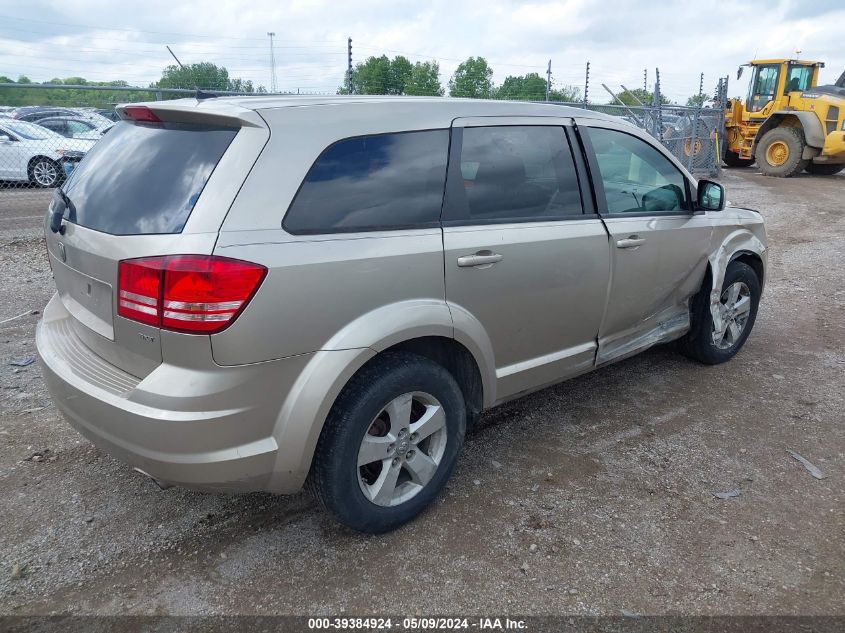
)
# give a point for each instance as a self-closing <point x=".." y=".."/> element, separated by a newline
<point x="367" y="183"/>
<point x="513" y="173"/>
<point x="145" y="178"/>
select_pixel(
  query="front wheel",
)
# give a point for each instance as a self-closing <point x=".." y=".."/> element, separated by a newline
<point x="713" y="341"/>
<point x="779" y="153"/>
<point x="824" y="170"/>
<point x="389" y="444"/>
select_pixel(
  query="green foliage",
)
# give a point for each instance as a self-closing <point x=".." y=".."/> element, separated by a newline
<point x="638" y="96"/>
<point x="397" y="76"/>
<point x="566" y="94"/>
<point x="473" y="78"/>
<point x="530" y="87"/>
<point x="204" y="75"/>
<point x="70" y="97"/>
<point x="697" y="101"/>
<point x="425" y="80"/>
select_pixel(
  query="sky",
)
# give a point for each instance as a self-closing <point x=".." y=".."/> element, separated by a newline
<point x="100" y="41"/>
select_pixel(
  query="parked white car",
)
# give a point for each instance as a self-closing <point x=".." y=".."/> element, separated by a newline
<point x="31" y="153"/>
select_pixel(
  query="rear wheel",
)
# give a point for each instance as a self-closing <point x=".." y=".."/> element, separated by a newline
<point x="824" y="170"/>
<point x="44" y="172"/>
<point x="732" y="159"/>
<point x="389" y="444"/>
<point x="710" y="342"/>
<point x="779" y="152"/>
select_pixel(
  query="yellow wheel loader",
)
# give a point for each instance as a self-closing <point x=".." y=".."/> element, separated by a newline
<point x="788" y="123"/>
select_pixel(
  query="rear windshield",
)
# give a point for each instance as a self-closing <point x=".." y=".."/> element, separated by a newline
<point x="145" y="178"/>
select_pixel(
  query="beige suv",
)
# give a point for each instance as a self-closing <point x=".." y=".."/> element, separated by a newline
<point x="255" y="293"/>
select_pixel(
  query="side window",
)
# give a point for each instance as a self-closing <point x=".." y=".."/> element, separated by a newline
<point x="798" y="78"/>
<point x="763" y="87"/>
<point x="55" y="126"/>
<point x="367" y="183"/>
<point x="635" y="176"/>
<point x="77" y="127"/>
<point x="513" y="173"/>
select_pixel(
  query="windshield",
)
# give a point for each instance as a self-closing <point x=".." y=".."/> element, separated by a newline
<point x="145" y="178"/>
<point x="28" y="131"/>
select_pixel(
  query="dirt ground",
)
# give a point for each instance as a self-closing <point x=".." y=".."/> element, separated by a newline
<point x="591" y="497"/>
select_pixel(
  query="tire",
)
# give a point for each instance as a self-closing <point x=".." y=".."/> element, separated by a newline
<point x="732" y="159"/>
<point x="44" y="172"/>
<point x="701" y="342"/>
<point x="824" y="170"/>
<point x="786" y="142"/>
<point x="361" y="421"/>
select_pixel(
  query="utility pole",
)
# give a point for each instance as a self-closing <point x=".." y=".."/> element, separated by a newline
<point x="701" y="85"/>
<point x="548" y="80"/>
<point x="272" y="63"/>
<point x="349" y="66"/>
<point x="587" y="84"/>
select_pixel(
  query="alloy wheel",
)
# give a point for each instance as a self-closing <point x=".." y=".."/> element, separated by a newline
<point x="734" y="308"/>
<point x="402" y="449"/>
<point x="45" y="173"/>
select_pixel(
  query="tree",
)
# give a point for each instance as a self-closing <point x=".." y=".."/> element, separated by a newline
<point x="203" y="75"/>
<point x="637" y="96"/>
<point x="425" y="80"/>
<point x="380" y="76"/>
<point x="530" y="87"/>
<point x="566" y="94"/>
<point x="697" y="101"/>
<point x="472" y="78"/>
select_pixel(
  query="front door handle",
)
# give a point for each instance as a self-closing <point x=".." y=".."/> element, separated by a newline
<point x="632" y="241"/>
<point x="481" y="258"/>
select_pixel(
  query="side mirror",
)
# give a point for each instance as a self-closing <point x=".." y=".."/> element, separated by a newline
<point x="739" y="72"/>
<point x="710" y="195"/>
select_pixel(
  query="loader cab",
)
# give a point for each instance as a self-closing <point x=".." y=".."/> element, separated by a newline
<point x="774" y="80"/>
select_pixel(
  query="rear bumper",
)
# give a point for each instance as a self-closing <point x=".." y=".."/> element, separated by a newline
<point x="201" y="426"/>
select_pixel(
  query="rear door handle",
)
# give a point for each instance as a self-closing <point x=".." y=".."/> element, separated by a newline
<point x="632" y="241"/>
<point x="481" y="258"/>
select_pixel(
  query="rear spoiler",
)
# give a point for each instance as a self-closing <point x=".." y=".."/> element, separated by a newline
<point x="190" y="111"/>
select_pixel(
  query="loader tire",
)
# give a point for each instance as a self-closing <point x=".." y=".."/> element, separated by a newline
<point x="779" y="152"/>
<point x="824" y="170"/>
<point x="732" y="159"/>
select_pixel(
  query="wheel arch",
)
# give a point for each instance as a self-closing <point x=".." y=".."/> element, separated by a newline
<point x="808" y="122"/>
<point x="740" y="245"/>
<point x="422" y="327"/>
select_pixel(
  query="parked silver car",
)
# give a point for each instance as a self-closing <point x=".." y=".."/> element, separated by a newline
<point x="255" y="293"/>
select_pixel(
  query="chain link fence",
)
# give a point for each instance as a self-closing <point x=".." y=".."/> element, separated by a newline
<point x="41" y="144"/>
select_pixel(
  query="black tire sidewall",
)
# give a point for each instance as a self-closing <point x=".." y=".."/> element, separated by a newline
<point x="794" y="139"/>
<point x="824" y="170"/>
<point x="339" y="489"/>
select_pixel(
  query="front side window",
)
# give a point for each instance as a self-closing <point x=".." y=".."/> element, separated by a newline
<point x="763" y="86"/>
<point x="514" y="173"/>
<point x="367" y="183"/>
<point x="636" y="177"/>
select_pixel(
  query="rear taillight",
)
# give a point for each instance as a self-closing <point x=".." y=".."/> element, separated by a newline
<point x="200" y="294"/>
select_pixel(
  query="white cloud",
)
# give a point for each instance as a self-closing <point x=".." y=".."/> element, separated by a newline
<point x="89" y="38"/>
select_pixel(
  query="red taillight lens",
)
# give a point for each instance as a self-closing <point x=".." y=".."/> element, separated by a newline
<point x="141" y="113"/>
<point x="200" y="294"/>
<point x="139" y="289"/>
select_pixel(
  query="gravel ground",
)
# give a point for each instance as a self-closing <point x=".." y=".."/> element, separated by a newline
<point x="590" y="497"/>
